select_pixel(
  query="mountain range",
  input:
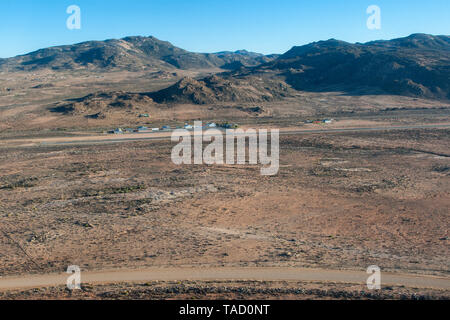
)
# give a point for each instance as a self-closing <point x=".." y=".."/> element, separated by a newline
<point x="418" y="65"/>
<point x="131" y="53"/>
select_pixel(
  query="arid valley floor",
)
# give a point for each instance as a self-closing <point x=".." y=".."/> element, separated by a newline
<point x="342" y="200"/>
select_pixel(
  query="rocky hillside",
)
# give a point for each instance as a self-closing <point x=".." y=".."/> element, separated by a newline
<point x="132" y="53"/>
<point x="98" y="105"/>
<point x="215" y="89"/>
<point x="418" y="65"/>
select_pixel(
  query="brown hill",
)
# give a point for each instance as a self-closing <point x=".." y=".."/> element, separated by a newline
<point x="99" y="105"/>
<point x="215" y="89"/>
<point x="210" y="90"/>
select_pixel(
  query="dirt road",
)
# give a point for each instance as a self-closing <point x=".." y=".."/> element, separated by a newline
<point x="164" y="136"/>
<point x="226" y="274"/>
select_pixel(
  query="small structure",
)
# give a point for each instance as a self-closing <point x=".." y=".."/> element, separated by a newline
<point x="211" y="125"/>
<point x="118" y="131"/>
<point x="166" y="128"/>
<point x="144" y="115"/>
<point x="188" y="127"/>
<point x="155" y="129"/>
<point x="328" y="121"/>
<point x="142" y="129"/>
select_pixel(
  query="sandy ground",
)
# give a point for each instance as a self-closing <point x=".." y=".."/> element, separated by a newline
<point x="26" y="106"/>
<point x="343" y="200"/>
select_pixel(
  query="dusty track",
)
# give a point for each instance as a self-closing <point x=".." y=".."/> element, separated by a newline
<point x="163" y="136"/>
<point x="226" y="273"/>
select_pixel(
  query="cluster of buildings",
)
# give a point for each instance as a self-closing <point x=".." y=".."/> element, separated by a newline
<point x="207" y="126"/>
<point x="130" y="130"/>
<point x="326" y="121"/>
<point x="143" y="129"/>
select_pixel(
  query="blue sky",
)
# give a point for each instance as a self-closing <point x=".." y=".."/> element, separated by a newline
<point x="266" y="26"/>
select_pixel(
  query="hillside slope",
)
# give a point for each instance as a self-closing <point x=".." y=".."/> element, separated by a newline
<point x="132" y="53"/>
<point x="215" y="89"/>
<point x="418" y="65"/>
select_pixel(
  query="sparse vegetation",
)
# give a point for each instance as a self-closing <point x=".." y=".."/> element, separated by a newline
<point x="72" y="194"/>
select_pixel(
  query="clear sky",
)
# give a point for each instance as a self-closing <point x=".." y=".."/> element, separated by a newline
<point x="266" y="26"/>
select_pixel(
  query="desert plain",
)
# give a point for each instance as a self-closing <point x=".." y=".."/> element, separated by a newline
<point x="370" y="188"/>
